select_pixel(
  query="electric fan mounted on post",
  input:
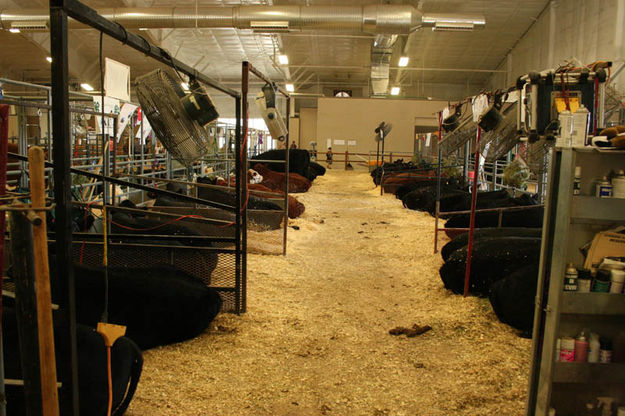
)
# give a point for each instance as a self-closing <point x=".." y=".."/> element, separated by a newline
<point x="177" y="117"/>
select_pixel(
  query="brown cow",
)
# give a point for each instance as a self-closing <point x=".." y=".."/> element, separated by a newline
<point x="393" y="181"/>
<point x="296" y="208"/>
<point x="275" y="180"/>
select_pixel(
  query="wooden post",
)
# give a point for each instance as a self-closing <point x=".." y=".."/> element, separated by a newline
<point x="49" y="392"/>
<point x="346" y="159"/>
<point x="390" y="157"/>
<point x="25" y="308"/>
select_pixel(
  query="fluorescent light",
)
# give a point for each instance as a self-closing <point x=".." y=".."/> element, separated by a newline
<point x="14" y="30"/>
<point x="49" y="59"/>
<point x="283" y="59"/>
<point x="143" y="28"/>
<point x="185" y="86"/>
<point x="86" y="86"/>
<point x="403" y="61"/>
<point x="395" y="91"/>
<point x="290" y="87"/>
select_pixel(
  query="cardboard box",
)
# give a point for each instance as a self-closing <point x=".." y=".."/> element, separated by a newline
<point x="605" y="244"/>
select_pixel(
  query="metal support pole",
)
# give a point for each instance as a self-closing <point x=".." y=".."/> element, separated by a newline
<point x="465" y="166"/>
<point x="377" y="161"/>
<point x="68" y="369"/>
<point x="22" y="144"/>
<point x="473" y="206"/>
<point x="4" y="144"/>
<point x="287" y="152"/>
<point x="49" y="129"/>
<point x="245" y="76"/>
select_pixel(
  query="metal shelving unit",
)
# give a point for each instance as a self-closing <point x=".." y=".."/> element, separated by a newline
<point x="570" y="222"/>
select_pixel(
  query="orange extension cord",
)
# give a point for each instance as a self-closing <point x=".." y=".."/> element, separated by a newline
<point x="110" y="380"/>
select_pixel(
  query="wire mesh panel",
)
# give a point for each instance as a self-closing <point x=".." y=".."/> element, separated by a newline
<point x="215" y="267"/>
<point x="537" y="156"/>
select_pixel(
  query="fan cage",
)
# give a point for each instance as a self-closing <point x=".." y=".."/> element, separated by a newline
<point x="183" y="137"/>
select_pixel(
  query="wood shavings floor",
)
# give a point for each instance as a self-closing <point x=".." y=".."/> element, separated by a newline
<point x="315" y="338"/>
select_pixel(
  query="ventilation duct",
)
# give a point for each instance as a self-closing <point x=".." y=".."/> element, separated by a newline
<point x="381" y="53"/>
<point x="386" y="18"/>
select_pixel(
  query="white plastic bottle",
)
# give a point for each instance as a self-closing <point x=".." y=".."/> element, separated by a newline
<point x="580" y="126"/>
<point x="594" y="346"/>
<point x="566" y="128"/>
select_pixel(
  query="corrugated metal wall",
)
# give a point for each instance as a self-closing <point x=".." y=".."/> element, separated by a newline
<point x="582" y="29"/>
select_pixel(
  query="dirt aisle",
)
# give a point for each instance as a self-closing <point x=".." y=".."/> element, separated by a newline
<point x="315" y="338"/>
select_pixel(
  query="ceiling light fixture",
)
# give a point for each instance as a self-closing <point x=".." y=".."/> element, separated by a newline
<point x="453" y="23"/>
<point x="403" y="61"/>
<point x="290" y="87"/>
<point x="283" y="59"/>
<point x="14" y="30"/>
<point x="395" y="91"/>
<point x="185" y="86"/>
<point x="49" y="59"/>
<point x="143" y="28"/>
<point x="86" y="86"/>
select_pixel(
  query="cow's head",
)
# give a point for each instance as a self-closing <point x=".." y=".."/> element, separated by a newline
<point x="254" y="177"/>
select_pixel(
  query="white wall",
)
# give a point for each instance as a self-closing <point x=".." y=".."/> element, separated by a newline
<point x="589" y="30"/>
<point x="356" y="118"/>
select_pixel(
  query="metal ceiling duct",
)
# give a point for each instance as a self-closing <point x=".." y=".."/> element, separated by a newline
<point x="390" y="19"/>
<point x="381" y="53"/>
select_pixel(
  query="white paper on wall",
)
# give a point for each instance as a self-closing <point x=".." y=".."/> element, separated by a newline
<point x="339" y="142"/>
<point x="111" y="106"/>
<point x="329" y="142"/>
<point x="116" y="79"/>
<point x="147" y="129"/>
<point x="125" y="113"/>
<point x="428" y="137"/>
<point x="351" y="142"/>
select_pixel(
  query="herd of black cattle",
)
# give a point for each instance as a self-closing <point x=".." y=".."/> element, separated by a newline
<point x="162" y="304"/>
<point x="506" y="250"/>
<point x="159" y="302"/>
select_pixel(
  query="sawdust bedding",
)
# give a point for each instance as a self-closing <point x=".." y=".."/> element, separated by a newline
<point x="315" y="339"/>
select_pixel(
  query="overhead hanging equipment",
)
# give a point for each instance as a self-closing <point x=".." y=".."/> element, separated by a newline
<point x="266" y="102"/>
<point x="177" y="116"/>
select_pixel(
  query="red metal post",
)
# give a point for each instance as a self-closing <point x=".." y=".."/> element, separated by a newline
<point x="476" y="166"/>
<point x="438" y="184"/>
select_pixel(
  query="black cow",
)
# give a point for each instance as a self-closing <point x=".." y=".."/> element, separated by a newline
<point x="512" y="298"/>
<point x="463" y="239"/>
<point x="299" y="161"/>
<point x="159" y="305"/>
<point x="316" y="169"/>
<point x="492" y="259"/>
<point x="147" y="224"/>
<point x="446" y="183"/>
<point x="529" y="218"/>
<point x="126" y="366"/>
